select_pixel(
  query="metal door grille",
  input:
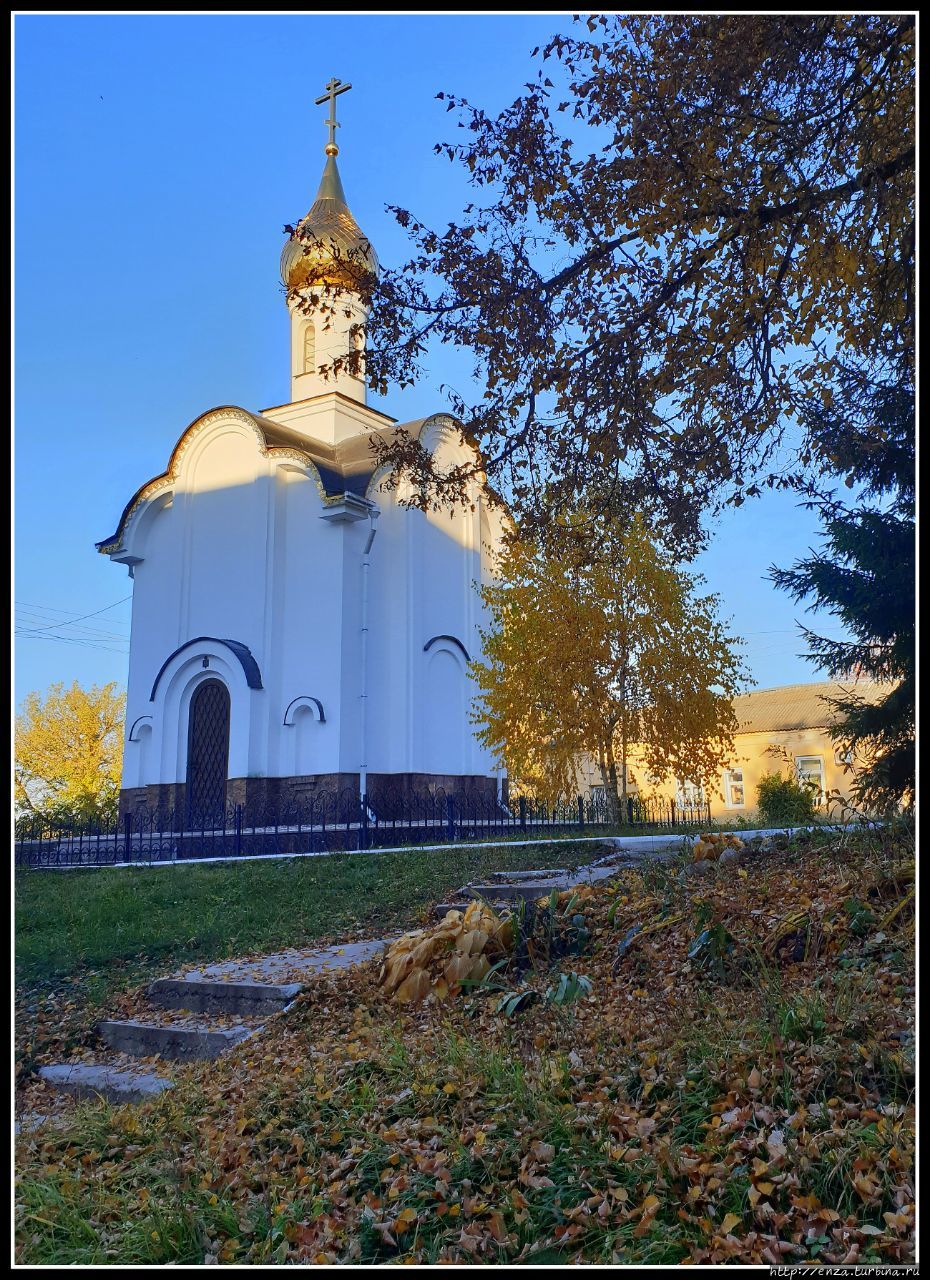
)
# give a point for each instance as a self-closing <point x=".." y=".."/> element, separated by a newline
<point x="208" y="753"/>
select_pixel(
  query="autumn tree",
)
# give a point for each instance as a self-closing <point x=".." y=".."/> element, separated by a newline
<point x="598" y="641"/>
<point x="69" y="748"/>
<point x="681" y="230"/>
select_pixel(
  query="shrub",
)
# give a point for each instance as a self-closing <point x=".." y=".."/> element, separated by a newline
<point x="785" y="800"/>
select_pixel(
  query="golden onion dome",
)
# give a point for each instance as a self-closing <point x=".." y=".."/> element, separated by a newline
<point x="328" y="246"/>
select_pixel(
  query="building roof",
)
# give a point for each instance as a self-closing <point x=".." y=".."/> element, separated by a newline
<point x="328" y="245"/>
<point x="799" y="706"/>
<point x="344" y="468"/>
<point x="347" y="467"/>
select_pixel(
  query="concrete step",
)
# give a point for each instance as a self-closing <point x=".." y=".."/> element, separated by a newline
<point x="544" y="873"/>
<point x="200" y="995"/>
<point x="295" y="964"/>
<point x="441" y="908"/>
<point x="91" y="1080"/>
<point x="144" y="1039"/>
<point x="528" y="891"/>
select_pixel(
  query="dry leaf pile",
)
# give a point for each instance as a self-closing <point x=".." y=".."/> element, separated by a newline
<point x="710" y="847"/>
<point x="435" y="962"/>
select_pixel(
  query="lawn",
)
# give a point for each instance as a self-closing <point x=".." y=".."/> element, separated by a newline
<point x="101" y="925"/>
<point x="736" y="1088"/>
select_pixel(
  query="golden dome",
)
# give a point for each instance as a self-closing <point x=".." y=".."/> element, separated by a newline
<point x="328" y="247"/>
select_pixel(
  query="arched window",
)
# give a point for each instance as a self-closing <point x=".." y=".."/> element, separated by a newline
<point x="309" y="348"/>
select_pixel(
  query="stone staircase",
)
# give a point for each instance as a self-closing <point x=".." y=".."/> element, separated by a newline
<point x="207" y="1012"/>
<point x="197" y="1016"/>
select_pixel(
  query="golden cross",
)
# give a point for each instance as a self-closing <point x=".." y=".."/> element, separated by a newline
<point x="333" y="89"/>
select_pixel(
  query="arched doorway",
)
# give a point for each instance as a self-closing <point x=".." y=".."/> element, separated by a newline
<point x="207" y="752"/>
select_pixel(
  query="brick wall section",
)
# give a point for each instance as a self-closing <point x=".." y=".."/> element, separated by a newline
<point x="387" y="791"/>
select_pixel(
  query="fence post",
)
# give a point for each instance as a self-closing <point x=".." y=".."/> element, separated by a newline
<point x="450" y="816"/>
<point x="363" y="826"/>
<point x="238" y="830"/>
<point x="127" y="827"/>
<point x="523" y="813"/>
<point x="629" y="810"/>
<point x="581" y="811"/>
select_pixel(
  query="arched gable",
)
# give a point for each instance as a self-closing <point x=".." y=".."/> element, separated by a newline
<point x="127" y="540"/>
<point x="440" y="434"/>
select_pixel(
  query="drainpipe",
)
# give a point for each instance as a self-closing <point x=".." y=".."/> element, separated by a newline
<point x="363" y="675"/>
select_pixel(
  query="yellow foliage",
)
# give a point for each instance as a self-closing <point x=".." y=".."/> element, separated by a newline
<point x="69" y="750"/>
<point x="599" y="641"/>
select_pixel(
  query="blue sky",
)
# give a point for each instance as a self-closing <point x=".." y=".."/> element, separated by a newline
<point x="157" y="160"/>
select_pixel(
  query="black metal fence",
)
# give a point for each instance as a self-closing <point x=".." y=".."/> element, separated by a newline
<point x="333" y="821"/>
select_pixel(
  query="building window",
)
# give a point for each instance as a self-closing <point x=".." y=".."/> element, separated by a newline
<point x="688" y="795"/>
<point x="809" y="771"/>
<point x="734" y="792"/>
<point x="309" y="348"/>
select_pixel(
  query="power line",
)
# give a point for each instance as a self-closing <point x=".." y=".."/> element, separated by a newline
<point x="27" y="621"/>
<point x="49" y="608"/>
<point x="70" y="621"/>
<point x="87" y="644"/>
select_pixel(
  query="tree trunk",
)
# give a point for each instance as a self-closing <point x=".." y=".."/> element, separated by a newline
<point x="613" y="803"/>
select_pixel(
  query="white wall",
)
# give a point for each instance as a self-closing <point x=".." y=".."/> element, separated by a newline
<point x="233" y="547"/>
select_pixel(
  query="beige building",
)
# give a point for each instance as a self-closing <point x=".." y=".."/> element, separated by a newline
<point x="783" y="731"/>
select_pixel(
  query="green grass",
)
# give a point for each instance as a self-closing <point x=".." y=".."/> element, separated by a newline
<point x="106" y="925"/>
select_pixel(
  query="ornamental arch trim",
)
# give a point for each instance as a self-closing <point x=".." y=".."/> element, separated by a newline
<point x="297" y="704"/>
<point x="139" y="725"/>
<point x="250" y="668"/>
<point x="166" y="481"/>
<point x="446" y="641"/>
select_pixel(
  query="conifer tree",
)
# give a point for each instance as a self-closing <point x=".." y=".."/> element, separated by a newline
<point x="865" y="575"/>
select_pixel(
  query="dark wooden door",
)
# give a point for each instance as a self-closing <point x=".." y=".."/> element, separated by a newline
<point x="208" y="753"/>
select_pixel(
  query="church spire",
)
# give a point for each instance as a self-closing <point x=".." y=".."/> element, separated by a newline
<point x="331" y="184"/>
<point x="328" y="246"/>
<point x="327" y="255"/>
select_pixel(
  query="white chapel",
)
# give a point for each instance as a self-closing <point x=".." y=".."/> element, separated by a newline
<point x="295" y="627"/>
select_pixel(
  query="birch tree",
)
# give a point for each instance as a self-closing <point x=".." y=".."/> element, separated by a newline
<point x="597" y="642"/>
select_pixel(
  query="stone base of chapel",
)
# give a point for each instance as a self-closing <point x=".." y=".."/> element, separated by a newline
<point x="391" y="795"/>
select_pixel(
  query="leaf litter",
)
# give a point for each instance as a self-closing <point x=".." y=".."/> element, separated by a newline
<point x="750" y="1106"/>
